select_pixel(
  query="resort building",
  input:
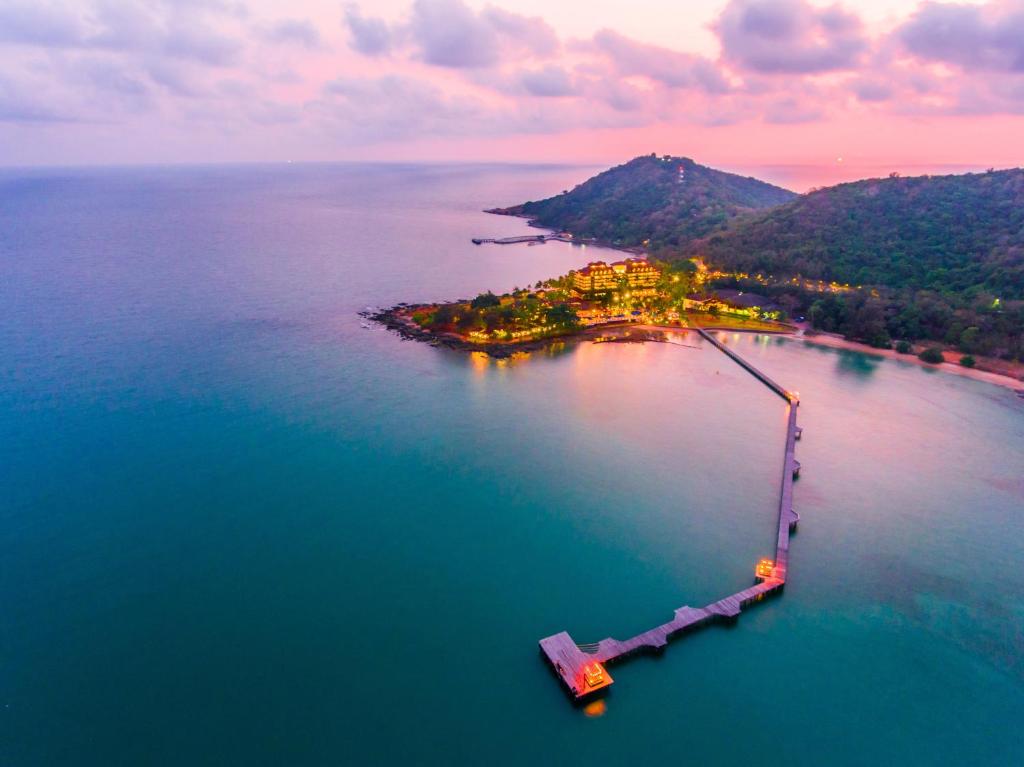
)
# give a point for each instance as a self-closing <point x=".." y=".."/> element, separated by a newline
<point x="641" y="276"/>
<point x="734" y="302"/>
<point x="597" y="277"/>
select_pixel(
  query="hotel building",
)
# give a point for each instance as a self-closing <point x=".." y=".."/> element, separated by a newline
<point x="598" y="278"/>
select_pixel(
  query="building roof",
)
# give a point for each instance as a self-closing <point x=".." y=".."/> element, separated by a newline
<point x="596" y="266"/>
<point x="743" y="298"/>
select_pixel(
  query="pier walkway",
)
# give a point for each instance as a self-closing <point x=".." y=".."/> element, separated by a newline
<point x="521" y="239"/>
<point x="581" y="666"/>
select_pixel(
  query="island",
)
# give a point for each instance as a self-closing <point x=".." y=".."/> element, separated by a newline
<point x="635" y="293"/>
<point x="929" y="268"/>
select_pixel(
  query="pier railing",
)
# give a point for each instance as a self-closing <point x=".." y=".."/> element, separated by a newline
<point x="576" y="665"/>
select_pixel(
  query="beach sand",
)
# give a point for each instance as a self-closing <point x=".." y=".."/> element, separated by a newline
<point x="838" y="342"/>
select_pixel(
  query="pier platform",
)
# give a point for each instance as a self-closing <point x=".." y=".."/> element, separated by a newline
<point x="581" y="667"/>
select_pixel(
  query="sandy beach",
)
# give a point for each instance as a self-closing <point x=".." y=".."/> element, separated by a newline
<point x="398" y="319"/>
<point x="838" y="342"/>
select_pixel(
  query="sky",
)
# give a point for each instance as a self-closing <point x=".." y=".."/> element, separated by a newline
<point x="734" y="83"/>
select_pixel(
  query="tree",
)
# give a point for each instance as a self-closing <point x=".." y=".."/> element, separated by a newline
<point x="904" y="347"/>
<point x="485" y="300"/>
<point x="561" y="315"/>
<point x="932" y="355"/>
<point x="967" y="361"/>
<point x="469" y="320"/>
<point x="445" y="315"/>
<point x="969" y="340"/>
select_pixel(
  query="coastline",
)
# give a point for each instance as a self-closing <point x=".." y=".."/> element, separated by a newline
<point x="838" y="342"/>
<point x="396" y="319"/>
<point x="594" y="242"/>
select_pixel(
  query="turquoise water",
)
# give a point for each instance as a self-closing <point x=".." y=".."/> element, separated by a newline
<point x="238" y="528"/>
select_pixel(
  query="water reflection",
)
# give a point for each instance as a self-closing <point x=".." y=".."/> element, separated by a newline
<point x="857" y="364"/>
<point x="861" y="365"/>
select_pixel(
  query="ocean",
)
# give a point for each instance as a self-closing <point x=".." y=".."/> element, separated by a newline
<point x="237" y="527"/>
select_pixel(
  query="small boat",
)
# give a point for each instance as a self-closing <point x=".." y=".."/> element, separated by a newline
<point x="365" y="325"/>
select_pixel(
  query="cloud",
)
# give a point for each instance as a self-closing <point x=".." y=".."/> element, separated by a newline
<point x="618" y="94"/>
<point x="531" y="31"/>
<point x="789" y="36"/>
<point x="118" y="88"/>
<point x="370" y="36"/>
<point x="551" y="81"/>
<point x="969" y="36"/>
<point x="22" y="104"/>
<point x="293" y="31"/>
<point x="676" y="70"/>
<point x="790" y="110"/>
<point x="872" y="89"/>
<point x="175" y="77"/>
<point x="40" y="23"/>
<point x="453" y="68"/>
<point x="185" y="41"/>
<point x="177" y="29"/>
<point x="450" y="34"/>
<point x="397" y="107"/>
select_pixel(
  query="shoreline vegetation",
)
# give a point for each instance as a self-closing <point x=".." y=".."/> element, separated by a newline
<point x="399" y="320"/>
<point x="664" y="284"/>
<point x="634" y="292"/>
<point x="932" y="260"/>
<point x="998" y="372"/>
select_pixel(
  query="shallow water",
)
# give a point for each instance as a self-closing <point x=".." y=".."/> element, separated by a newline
<point x="237" y="527"/>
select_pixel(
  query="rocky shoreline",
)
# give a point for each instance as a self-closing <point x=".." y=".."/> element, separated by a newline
<point x="397" y="319"/>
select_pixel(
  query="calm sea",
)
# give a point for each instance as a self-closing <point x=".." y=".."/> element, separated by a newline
<point x="236" y="527"/>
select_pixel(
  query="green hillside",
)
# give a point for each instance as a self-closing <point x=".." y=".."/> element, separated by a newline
<point x="952" y="234"/>
<point x="939" y="258"/>
<point x="667" y="200"/>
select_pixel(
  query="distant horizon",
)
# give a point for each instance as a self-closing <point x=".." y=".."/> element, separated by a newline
<point x="797" y="177"/>
<point x="906" y="83"/>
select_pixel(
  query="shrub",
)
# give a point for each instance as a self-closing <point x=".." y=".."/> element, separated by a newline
<point x="932" y="355"/>
<point x="967" y="361"/>
<point x="904" y="347"/>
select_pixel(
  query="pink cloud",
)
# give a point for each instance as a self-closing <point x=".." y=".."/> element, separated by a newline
<point x="345" y="79"/>
<point x="790" y="36"/>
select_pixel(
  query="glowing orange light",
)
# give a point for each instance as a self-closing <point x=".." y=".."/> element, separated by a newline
<point x="594" y="675"/>
<point x="595" y="709"/>
<point x="765" y="569"/>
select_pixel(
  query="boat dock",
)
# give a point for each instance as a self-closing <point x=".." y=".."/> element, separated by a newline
<point x="521" y="239"/>
<point x="581" y="667"/>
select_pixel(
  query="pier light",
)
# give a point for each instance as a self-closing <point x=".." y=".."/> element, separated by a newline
<point x="765" y="569"/>
<point x="593" y="674"/>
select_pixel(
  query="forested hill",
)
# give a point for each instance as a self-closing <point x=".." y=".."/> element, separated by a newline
<point x="952" y="234"/>
<point x="666" y="200"/>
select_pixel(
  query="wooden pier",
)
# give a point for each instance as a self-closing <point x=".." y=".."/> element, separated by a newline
<point x="528" y="238"/>
<point x="581" y="666"/>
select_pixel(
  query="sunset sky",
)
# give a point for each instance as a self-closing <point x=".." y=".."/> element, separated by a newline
<point x="738" y="84"/>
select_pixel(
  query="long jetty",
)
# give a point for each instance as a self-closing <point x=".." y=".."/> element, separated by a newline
<point x="581" y="667"/>
<point x="521" y="239"/>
